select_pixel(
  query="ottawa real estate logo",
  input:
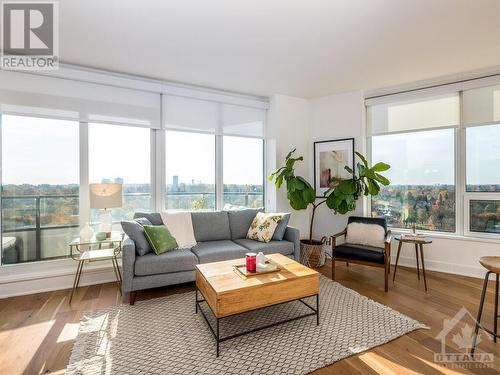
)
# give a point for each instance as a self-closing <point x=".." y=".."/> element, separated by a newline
<point x="29" y="35"/>
<point x="457" y="341"/>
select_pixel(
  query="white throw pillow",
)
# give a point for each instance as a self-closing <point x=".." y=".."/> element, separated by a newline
<point x="180" y="226"/>
<point x="366" y="234"/>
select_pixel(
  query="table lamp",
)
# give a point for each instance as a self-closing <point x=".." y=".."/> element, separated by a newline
<point x="105" y="197"/>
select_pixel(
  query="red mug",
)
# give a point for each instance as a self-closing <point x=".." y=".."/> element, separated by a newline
<point x="251" y="262"/>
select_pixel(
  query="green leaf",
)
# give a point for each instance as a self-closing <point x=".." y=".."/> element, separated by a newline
<point x="384" y="181"/>
<point x="363" y="159"/>
<point x="373" y="187"/>
<point x="349" y="169"/>
<point x="380" y="167"/>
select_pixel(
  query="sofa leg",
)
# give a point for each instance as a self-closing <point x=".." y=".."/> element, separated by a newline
<point x="132" y="296"/>
<point x="333" y="268"/>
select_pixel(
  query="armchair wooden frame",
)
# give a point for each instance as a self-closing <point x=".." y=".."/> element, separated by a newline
<point x="387" y="257"/>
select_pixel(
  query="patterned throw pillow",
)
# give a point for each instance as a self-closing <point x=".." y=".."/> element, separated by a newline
<point x="263" y="226"/>
<point x="159" y="238"/>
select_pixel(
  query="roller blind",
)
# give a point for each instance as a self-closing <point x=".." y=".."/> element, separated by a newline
<point x="22" y="93"/>
<point x="180" y="113"/>
<point x="242" y="121"/>
<point x="481" y="105"/>
<point x="419" y="113"/>
<point x="190" y="114"/>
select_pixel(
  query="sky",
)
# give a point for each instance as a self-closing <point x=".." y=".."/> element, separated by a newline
<point x="46" y="151"/>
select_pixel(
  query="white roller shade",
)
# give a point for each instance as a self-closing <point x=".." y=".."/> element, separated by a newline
<point x="422" y="113"/>
<point x="22" y="93"/>
<point x="481" y="105"/>
<point x="242" y="121"/>
<point x="190" y="114"/>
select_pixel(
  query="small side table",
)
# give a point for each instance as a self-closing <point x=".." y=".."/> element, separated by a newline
<point x="83" y="251"/>
<point x="419" y="244"/>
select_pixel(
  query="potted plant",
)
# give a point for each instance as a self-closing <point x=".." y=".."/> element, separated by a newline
<point x="341" y="198"/>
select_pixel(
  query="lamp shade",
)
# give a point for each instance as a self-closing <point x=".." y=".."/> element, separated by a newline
<point x="105" y="195"/>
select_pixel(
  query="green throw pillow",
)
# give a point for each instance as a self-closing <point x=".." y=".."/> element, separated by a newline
<point x="159" y="238"/>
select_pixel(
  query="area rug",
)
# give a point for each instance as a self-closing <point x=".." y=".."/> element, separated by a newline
<point x="165" y="336"/>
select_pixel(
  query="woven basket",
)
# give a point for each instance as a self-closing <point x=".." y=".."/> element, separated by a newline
<point x="312" y="254"/>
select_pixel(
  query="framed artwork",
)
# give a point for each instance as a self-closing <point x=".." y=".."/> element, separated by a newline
<point x="330" y="158"/>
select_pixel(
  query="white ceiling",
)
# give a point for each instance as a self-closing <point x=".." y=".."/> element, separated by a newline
<point x="305" y="48"/>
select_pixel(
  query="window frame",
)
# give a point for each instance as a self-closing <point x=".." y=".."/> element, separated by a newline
<point x="462" y="196"/>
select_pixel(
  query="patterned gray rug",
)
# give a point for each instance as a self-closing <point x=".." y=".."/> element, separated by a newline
<point x="164" y="335"/>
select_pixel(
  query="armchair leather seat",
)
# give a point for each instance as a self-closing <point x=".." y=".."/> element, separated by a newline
<point x="360" y="253"/>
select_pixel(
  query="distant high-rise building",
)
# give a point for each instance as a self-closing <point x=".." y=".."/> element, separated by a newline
<point x="119" y="180"/>
<point x="175" y="182"/>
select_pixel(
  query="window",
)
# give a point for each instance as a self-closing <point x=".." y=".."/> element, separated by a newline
<point x="483" y="159"/>
<point x="121" y="154"/>
<point x="482" y="196"/>
<point x="243" y="172"/>
<point x="484" y="216"/>
<point x="422" y="189"/>
<point x="40" y="187"/>
<point x="190" y="170"/>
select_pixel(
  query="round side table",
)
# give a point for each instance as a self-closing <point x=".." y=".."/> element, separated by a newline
<point x="419" y="244"/>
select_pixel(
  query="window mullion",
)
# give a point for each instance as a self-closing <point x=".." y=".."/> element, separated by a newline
<point x="84" y="205"/>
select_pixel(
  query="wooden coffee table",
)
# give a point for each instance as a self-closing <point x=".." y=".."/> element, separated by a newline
<point x="227" y="292"/>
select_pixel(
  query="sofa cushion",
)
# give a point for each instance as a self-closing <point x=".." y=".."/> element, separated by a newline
<point x="160" y="238"/>
<point x="171" y="261"/>
<point x="365" y="234"/>
<point x="240" y="220"/>
<point x="215" y="251"/>
<point x="211" y="226"/>
<point x="282" y="247"/>
<point x="279" y="232"/>
<point x="360" y="252"/>
<point x="135" y="231"/>
<point x="154" y="217"/>
<point x="263" y="226"/>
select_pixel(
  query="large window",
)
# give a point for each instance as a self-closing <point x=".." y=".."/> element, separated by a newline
<point x="40" y="187"/>
<point x="422" y="189"/>
<point x="190" y="171"/>
<point x="444" y="158"/>
<point x="243" y="172"/>
<point x="121" y="154"/>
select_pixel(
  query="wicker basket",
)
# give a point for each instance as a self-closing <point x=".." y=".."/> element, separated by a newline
<point x="312" y="254"/>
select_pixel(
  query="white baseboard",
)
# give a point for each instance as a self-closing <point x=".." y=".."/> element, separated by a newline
<point x="50" y="283"/>
<point x="432" y="265"/>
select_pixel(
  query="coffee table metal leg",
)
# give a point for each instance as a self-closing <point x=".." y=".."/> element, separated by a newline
<point x="416" y="256"/>
<point x="217" y="337"/>
<point x="196" y="301"/>
<point x="397" y="260"/>
<point x="317" y="309"/>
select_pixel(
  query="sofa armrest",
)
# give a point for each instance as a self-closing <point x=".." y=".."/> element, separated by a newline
<point x="293" y="235"/>
<point x="128" y="264"/>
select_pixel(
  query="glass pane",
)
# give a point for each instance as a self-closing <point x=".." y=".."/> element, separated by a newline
<point x="40" y="171"/>
<point x="121" y="154"/>
<point x="432" y="112"/>
<point x="190" y="171"/>
<point x="243" y="172"/>
<point x="422" y="190"/>
<point x="484" y="216"/>
<point x="483" y="158"/>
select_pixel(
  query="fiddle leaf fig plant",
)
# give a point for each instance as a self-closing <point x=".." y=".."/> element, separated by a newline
<point x="341" y="198"/>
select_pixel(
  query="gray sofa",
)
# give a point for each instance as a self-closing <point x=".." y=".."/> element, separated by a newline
<point x="219" y="235"/>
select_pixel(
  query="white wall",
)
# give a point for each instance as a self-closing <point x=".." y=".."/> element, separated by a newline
<point x="335" y="117"/>
<point x="288" y="128"/>
<point x="342" y="116"/>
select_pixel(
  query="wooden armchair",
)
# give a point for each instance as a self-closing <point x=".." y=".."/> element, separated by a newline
<point x="376" y="256"/>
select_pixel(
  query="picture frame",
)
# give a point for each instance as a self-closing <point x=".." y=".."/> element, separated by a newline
<point x="330" y="158"/>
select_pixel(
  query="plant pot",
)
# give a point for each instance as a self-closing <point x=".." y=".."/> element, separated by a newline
<point x="312" y="253"/>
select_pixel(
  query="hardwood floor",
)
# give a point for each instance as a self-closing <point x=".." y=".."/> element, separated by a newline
<point x="37" y="331"/>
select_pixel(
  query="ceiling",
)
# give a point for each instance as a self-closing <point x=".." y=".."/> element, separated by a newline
<point x="305" y="48"/>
